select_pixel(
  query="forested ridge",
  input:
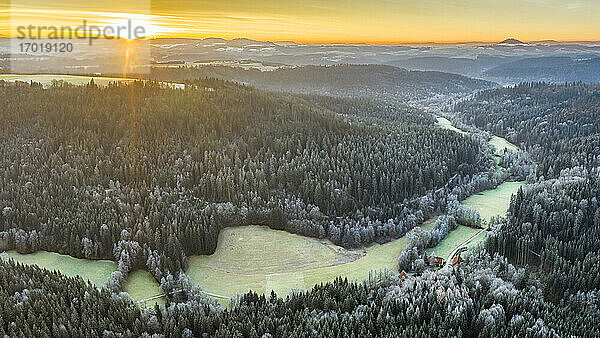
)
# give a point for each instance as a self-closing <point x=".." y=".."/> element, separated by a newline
<point x="81" y="178"/>
<point x="547" y="68"/>
<point x="559" y="124"/>
<point x="381" y="82"/>
<point x="555" y="226"/>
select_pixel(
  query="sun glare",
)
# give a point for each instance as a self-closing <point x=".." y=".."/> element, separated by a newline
<point x="149" y="23"/>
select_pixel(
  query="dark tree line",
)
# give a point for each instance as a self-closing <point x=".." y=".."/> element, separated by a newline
<point x="42" y="303"/>
<point x="555" y="226"/>
<point x="547" y="68"/>
<point x="381" y="82"/>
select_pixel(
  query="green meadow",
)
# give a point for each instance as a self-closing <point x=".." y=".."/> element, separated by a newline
<point x="493" y="202"/>
<point x="95" y="271"/>
<point x="500" y="144"/>
<point x="275" y="260"/>
<point x="446" y="124"/>
<point x="140" y="283"/>
<point x="456" y="238"/>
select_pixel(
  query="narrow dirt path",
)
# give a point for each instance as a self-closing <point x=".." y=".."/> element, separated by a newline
<point x="466" y="242"/>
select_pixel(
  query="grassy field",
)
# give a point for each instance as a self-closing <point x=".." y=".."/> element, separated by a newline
<point x="488" y="203"/>
<point x="96" y="271"/>
<point x="46" y="79"/>
<point x="455" y="238"/>
<point x="140" y="285"/>
<point x="276" y="260"/>
<point x="493" y="202"/>
<point x="446" y="124"/>
<point x="500" y="144"/>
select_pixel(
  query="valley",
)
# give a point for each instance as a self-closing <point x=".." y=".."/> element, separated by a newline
<point x="261" y="259"/>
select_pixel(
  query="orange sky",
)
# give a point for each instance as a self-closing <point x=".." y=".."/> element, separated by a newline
<point x="377" y="21"/>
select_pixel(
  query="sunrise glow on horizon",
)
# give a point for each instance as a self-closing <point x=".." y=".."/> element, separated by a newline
<point x="337" y="21"/>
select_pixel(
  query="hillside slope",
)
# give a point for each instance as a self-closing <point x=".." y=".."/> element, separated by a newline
<point x="372" y="81"/>
<point x="558" y="124"/>
<point x="550" y="69"/>
<point x="80" y="175"/>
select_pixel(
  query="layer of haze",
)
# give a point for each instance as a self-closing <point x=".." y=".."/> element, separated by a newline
<point x="378" y="21"/>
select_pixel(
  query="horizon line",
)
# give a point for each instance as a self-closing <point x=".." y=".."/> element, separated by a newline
<point x="354" y="42"/>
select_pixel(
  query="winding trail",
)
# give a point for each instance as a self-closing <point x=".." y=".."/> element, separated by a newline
<point x="214" y="295"/>
<point x="461" y="245"/>
<point x="495" y="141"/>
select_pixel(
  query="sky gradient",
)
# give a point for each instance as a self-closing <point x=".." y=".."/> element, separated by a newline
<point x="344" y="21"/>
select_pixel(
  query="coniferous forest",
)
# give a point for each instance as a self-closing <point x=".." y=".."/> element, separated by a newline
<point x="557" y="123"/>
<point x="554" y="224"/>
<point x="147" y="176"/>
<point x="153" y="180"/>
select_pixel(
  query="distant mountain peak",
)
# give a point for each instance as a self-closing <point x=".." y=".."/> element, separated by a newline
<point x="511" y="41"/>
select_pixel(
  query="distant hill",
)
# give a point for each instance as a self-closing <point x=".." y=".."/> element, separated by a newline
<point x="511" y="41"/>
<point x="372" y="81"/>
<point x="456" y="65"/>
<point x="550" y="69"/>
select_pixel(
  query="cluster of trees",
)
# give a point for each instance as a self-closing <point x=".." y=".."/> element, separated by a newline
<point x="555" y="226"/>
<point x="381" y="82"/>
<point x="42" y="303"/>
<point x="488" y="297"/>
<point x="413" y="257"/>
<point x="557" y="124"/>
<point x="147" y="176"/>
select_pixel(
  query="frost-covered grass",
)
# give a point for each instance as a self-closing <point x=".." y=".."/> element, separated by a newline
<point x="500" y="144"/>
<point x="456" y="238"/>
<point x="140" y="285"/>
<point x="493" y="202"/>
<point x="95" y="271"/>
<point x="446" y="124"/>
<point x="488" y="203"/>
<point x="276" y="260"/>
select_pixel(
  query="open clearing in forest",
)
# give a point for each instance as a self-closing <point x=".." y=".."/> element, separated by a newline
<point x="500" y="144"/>
<point x="261" y="259"/>
<point x="493" y="202"/>
<point x="456" y="238"/>
<point x="95" y="271"/>
<point x="140" y="284"/>
<point x="446" y="124"/>
<point x="489" y="203"/>
<point x="78" y="80"/>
